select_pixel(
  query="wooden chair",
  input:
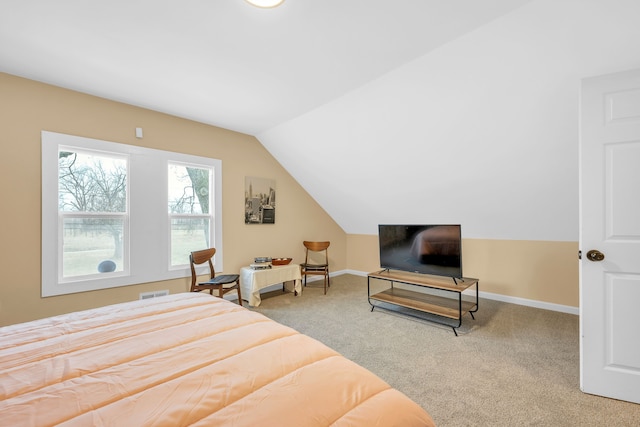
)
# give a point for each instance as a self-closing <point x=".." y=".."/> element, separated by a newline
<point x="223" y="283"/>
<point x="316" y="262"/>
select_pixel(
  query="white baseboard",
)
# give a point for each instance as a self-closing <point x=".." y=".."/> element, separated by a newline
<point x="497" y="297"/>
<point x="529" y="302"/>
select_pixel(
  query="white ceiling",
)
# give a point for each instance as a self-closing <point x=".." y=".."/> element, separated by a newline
<point x="422" y="111"/>
<point x="224" y="62"/>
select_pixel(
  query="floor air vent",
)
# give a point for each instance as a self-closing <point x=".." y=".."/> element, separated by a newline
<point x="155" y="294"/>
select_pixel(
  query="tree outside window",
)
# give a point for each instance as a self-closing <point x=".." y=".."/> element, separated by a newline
<point x="189" y="210"/>
<point x="92" y="205"/>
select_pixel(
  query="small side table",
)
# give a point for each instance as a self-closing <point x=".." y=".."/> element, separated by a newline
<point x="252" y="281"/>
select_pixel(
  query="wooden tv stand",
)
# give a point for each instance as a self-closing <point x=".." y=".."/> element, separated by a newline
<point x="448" y="306"/>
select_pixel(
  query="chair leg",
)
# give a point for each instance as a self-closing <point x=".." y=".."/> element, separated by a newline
<point x="239" y="294"/>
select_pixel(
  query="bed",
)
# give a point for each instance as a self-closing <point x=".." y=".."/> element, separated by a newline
<point x="185" y="359"/>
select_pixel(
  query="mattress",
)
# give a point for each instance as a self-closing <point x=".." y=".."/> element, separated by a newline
<point x="185" y="359"/>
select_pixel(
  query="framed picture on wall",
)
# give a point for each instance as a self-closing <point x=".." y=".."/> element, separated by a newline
<point x="259" y="200"/>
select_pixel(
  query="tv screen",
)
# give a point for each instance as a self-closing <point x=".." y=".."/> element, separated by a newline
<point x="428" y="249"/>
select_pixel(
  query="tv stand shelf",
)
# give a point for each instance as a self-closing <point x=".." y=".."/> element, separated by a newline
<point x="448" y="306"/>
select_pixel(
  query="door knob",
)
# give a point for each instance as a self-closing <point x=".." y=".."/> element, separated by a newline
<point x="595" y="255"/>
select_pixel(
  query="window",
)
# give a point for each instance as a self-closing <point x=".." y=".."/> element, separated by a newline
<point x="92" y="208"/>
<point x="189" y="210"/>
<point x="116" y="215"/>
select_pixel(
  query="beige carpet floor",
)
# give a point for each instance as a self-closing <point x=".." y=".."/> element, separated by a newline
<point x="511" y="366"/>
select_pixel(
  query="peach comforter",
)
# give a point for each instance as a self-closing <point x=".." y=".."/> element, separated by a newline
<point x="185" y="359"/>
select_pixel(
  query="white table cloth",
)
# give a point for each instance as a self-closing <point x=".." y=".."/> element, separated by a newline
<point x="252" y="281"/>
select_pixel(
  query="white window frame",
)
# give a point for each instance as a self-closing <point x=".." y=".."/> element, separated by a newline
<point x="211" y="215"/>
<point x="62" y="215"/>
<point x="149" y="256"/>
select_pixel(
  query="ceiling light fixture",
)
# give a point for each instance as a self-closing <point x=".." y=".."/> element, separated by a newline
<point x="265" y="3"/>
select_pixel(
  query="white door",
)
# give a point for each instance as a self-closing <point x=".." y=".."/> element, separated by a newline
<point x="610" y="224"/>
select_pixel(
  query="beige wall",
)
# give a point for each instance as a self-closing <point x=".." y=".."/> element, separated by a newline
<point x="544" y="271"/>
<point x="27" y="108"/>
<point x="535" y="270"/>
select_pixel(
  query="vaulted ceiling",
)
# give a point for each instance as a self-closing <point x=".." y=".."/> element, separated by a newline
<point x="400" y="111"/>
<point x="225" y="62"/>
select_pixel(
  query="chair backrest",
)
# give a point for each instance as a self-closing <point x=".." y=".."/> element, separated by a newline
<point x="316" y="247"/>
<point x="200" y="257"/>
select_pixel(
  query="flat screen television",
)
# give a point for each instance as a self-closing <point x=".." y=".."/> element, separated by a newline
<point x="428" y="249"/>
